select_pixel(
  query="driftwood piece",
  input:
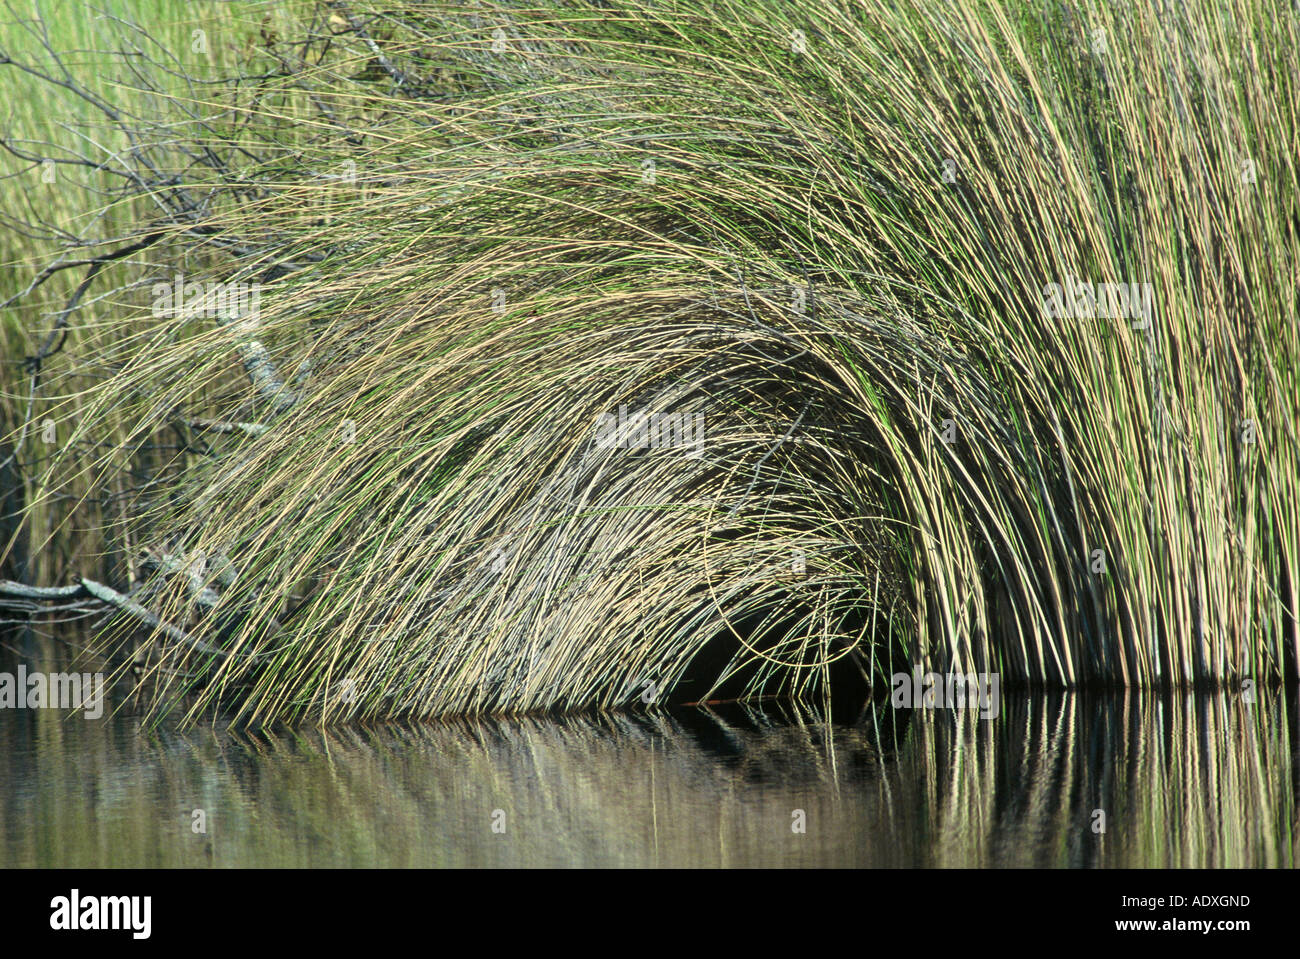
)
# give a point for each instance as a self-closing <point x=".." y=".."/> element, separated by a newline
<point x="222" y="426"/>
<point x="259" y="366"/>
<point x="21" y="596"/>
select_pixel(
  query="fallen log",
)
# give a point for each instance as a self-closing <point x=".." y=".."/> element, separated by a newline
<point x="20" y="596"/>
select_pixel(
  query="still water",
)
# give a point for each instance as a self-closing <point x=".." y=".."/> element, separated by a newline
<point x="1183" y="780"/>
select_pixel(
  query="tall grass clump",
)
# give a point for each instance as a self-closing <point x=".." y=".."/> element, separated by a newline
<point x="607" y="352"/>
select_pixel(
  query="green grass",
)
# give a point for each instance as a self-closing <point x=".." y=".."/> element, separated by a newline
<point x="68" y="210"/>
<point x="838" y="258"/>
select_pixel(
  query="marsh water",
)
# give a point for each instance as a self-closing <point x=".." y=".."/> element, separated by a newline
<point x="1183" y="780"/>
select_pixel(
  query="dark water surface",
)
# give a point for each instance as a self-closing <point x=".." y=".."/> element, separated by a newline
<point x="1184" y="780"/>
